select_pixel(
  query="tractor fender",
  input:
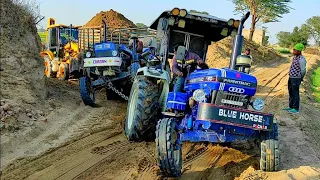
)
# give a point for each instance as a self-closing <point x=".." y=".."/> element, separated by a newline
<point x="166" y="79"/>
<point x="146" y="72"/>
<point x="47" y="53"/>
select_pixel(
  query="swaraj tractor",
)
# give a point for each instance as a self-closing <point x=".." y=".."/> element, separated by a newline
<point x="214" y="105"/>
<point x="61" y="55"/>
<point x="109" y="64"/>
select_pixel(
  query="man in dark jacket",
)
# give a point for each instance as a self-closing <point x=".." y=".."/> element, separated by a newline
<point x="296" y="75"/>
<point x="179" y="67"/>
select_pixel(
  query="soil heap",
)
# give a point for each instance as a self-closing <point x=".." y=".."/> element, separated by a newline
<point x="219" y="53"/>
<point x="112" y="18"/>
<point x="22" y="80"/>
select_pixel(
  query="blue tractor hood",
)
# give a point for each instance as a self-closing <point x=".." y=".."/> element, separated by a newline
<point x="222" y="80"/>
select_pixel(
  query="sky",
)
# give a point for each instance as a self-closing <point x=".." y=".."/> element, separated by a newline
<point x="79" y="12"/>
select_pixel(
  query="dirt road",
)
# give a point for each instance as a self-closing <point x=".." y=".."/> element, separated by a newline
<point x="108" y="155"/>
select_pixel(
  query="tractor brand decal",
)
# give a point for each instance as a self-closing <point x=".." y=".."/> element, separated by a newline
<point x="238" y="75"/>
<point x="251" y="117"/>
<point x="240" y="115"/>
<point x="257" y="126"/>
<point x="232" y="81"/>
<point x="206" y="19"/>
<point x="236" y="90"/>
<point x="232" y="116"/>
<point x="228" y="113"/>
<point x="99" y="61"/>
<point x="236" y="103"/>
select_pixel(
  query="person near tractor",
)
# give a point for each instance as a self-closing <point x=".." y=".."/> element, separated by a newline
<point x="179" y="67"/>
<point x="139" y="46"/>
<point x="296" y="74"/>
<point x="247" y="53"/>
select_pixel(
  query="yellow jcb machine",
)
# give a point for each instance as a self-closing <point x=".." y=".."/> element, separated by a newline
<point x="61" y="54"/>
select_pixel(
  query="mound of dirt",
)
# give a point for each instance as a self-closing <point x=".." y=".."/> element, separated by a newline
<point x="112" y="18"/>
<point x="219" y="53"/>
<point x="22" y="78"/>
<point x="312" y="50"/>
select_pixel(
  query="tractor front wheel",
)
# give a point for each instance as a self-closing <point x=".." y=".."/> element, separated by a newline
<point x="64" y="71"/>
<point x="143" y="110"/>
<point x="269" y="160"/>
<point x="48" y="67"/>
<point x="86" y="91"/>
<point x="169" y="152"/>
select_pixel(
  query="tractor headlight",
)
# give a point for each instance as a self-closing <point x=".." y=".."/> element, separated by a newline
<point x="88" y="54"/>
<point x="183" y="13"/>
<point x="199" y="95"/>
<point x="258" y="104"/>
<point x="114" y="53"/>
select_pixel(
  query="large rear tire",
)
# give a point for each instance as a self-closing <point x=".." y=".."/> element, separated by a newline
<point x="86" y="91"/>
<point x="169" y="152"/>
<point x="143" y="110"/>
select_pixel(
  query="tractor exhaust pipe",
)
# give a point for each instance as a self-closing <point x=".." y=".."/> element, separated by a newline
<point x="237" y="42"/>
<point x="105" y="30"/>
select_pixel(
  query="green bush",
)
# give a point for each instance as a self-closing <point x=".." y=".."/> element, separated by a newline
<point x="315" y="79"/>
<point x="282" y="50"/>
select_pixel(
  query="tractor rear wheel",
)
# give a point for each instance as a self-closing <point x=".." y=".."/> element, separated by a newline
<point x="64" y="71"/>
<point x="169" y="152"/>
<point x="86" y="91"/>
<point x="48" y="67"/>
<point x="143" y="110"/>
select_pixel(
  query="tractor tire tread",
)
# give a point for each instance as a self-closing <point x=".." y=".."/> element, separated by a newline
<point x="145" y="118"/>
<point x="84" y="84"/>
<point x="165" y="148"/>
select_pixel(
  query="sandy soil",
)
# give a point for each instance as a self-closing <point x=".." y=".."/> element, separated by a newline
<point x="103" y="152"/>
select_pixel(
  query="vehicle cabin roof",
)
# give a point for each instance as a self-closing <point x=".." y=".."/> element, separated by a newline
<point x="208" y="26"/>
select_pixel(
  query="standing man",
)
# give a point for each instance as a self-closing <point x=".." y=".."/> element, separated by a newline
<point x="296" y="75"/>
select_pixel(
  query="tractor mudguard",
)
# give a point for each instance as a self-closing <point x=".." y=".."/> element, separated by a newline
<point x="154" y="73"/>
<point x="47" y="53"/>
<point x="166" y="79"/>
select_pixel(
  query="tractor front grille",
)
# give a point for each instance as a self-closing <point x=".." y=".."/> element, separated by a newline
<point x="234" y="100"/>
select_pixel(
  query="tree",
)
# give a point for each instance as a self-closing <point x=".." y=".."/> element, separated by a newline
<point x="262" y="11"/>
<point x="313" y="28"/>
<point x="265" y="40"/>
<point x="199" y="12"/>
<point x="298" y="35"/>
<point x="141" y="25"/>
<point x="284" y="39"/>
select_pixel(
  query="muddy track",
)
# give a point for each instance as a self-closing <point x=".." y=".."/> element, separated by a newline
<point x="108" y="154"/>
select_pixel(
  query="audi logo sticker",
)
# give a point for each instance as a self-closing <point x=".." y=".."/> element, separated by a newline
<point x="236" y="90"/>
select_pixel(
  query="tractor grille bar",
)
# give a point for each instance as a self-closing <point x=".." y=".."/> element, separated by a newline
<point x="234" y="100"/>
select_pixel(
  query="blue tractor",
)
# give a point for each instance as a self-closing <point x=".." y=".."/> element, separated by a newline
<point x="215" y="104"/>
<point x="112" y="66"/>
